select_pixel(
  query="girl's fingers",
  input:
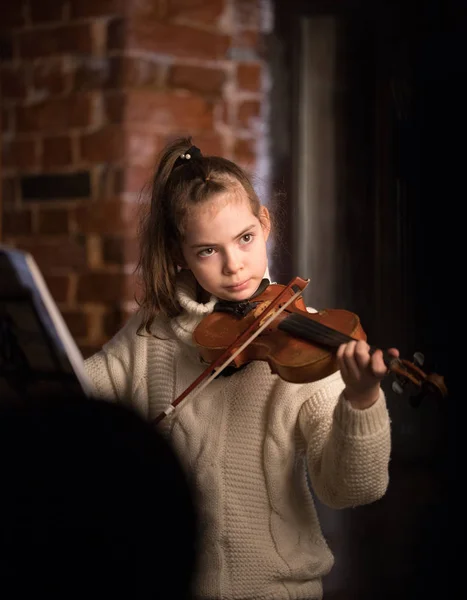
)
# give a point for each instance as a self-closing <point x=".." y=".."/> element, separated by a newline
<point x="356" y="362"/>
<point x="377" y="363"/>
<point x="341" y="361"/>
<point x="362" y="354"/>
<point x="349" y="360"/>
<point x="378" y="367"/>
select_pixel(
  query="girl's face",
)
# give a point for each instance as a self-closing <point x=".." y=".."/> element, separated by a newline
<point x="225" y="246"/>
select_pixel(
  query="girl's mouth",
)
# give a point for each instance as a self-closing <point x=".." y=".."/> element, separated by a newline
<point x="239" y="287"/>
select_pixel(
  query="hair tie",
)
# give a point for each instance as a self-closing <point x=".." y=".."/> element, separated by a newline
<point x="192" y="152"/>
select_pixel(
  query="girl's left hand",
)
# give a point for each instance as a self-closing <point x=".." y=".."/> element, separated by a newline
<point x="362" y="372"/>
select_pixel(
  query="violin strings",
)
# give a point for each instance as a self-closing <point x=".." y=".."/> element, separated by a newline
<point x="310" y="330"/>
<point x="313" y="331"/>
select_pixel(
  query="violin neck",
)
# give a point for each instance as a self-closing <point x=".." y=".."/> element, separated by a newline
<point x="388" y="359"/>
<point x="313" y="331"/>
<point x="317" y="333"/>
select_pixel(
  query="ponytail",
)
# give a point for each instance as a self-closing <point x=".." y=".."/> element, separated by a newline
<point x="157" y="263"/>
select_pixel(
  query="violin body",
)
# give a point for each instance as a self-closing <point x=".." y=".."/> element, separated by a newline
<point x="295" y="358"/>
<point x="275" y="326"/>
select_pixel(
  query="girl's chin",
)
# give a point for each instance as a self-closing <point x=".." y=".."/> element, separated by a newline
<point x="240" y="293"/>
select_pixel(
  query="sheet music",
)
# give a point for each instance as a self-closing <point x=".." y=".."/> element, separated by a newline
<point x="37" y="351"/>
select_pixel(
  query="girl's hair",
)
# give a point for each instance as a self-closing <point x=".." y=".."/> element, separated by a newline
<point x="177" y="186"/>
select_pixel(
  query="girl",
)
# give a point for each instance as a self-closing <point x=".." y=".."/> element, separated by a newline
<point x="251" y="443"/>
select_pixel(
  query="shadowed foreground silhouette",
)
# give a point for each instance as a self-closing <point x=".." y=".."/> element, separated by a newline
<point x="93" y="500"/>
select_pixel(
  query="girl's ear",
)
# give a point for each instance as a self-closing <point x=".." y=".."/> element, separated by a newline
<point x="181" y="264"/>
<point x="265" y="221"/>
<point x="179" y="259"/>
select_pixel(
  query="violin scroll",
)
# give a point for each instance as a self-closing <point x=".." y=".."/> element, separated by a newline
<point x="410" y="372"/>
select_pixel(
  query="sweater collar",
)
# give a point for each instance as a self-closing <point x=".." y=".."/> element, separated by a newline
<point x="192" y="311"/>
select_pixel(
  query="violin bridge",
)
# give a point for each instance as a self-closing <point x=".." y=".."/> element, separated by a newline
<point x="258" y="311"/>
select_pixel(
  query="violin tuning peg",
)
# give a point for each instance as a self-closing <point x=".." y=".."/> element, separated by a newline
<point x="397" y="387"/>
<point x="418" y="359"/>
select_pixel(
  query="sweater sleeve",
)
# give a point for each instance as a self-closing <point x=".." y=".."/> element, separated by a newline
<point x="347" y="449"/>
<point x="108" y="374"/>
<point x="119" y="368"/>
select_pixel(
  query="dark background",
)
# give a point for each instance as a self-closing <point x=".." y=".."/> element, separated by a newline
<point x="402" y="144"/>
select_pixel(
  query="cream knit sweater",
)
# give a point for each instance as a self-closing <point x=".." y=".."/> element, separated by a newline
<point x="248" y="442"/>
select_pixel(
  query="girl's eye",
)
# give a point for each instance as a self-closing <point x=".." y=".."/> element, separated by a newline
<point x="206" y="252"/>
<point x="247" y="238"/>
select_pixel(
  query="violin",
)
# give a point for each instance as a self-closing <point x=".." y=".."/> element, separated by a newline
<point x="275" y="326"/>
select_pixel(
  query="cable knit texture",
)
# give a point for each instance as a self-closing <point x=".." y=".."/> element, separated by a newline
<point x="252" y="443"/>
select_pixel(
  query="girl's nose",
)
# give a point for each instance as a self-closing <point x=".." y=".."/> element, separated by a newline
<point x="232" y="263"/>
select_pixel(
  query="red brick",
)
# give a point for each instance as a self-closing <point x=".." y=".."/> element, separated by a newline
<point x="148" y="10"/>
<point x="105" y="287"/>
<point x="20" y="153"/>
<point x="13" y="82"/>
<point x="176" y="111"/>
<point x="49" y="77"/>
<point x="119" y="180"/>
<point x="91" y="74"/>
<point x="104" y="145"/>
<point x="247" y="14"/>
<point x="120" y="250"/>
<point x="198" y="79"/>
<point x="54" y="221"/>
<point x="56" y="114"/>
<point x="251" y="41"/>
<point x="91" y="8"/>
<point x="106" y="218"/>
<point x="114" y="106"/>
<point x="76" y="321"/>
<point x="248" y="111"/>
<point x="249" y="76"/>
<point x="56" y="151"/>
<point x="57" y="254"/>
<point x="117" y="34"/>
<point x="126" y="71"/>
<point x="244" y="151"/>
<point x="7" y="120"/>
<point x="113" y="321"/>
<point x="227" y="110"/>
<point x="210" y="144"/>
<point x="200" y="12"/>
<point x="17" y="222"/>
<point x="9" y="192"/>
<point x="59" y="287"/>
<point x="167" y="38"/>
<point x="141" y="148"/>
<point x="108" y="182"/>
<point x="12" y="15"/>
<point x="51" y="41"/>
<point x="136" y="178"/>
<point x="46" y="11"/>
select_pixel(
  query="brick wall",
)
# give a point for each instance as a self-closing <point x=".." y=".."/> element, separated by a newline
<point x="90" y="92"/>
